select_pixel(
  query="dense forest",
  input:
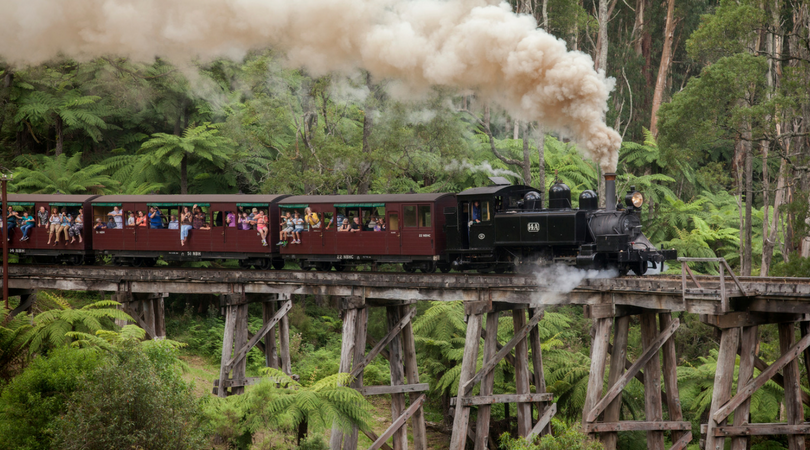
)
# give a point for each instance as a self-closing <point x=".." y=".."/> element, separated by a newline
<point x="711" y="101"/>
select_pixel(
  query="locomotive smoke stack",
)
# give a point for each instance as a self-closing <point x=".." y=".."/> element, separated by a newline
<point x="610" y="192"/>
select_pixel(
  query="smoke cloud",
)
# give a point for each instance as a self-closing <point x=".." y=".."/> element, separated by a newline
<point x="485" y="167"/>
<point x="469" y="44"/>
<point x="559" y="279"/>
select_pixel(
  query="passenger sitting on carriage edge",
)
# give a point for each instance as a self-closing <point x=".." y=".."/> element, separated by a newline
<point x="155" y="219"/>
<point x="287" y="227"/>
<point x="261" y="225"/>
<point x="11" y="220"/>
<point x="54" y="222"/>
<point x="77" y="227"/>
<point x="185" y="225"/>
<point x="64" y="226"/>
<point x="28" y="222"/>
<point x="117" y="216"/>
<point x="299" y="227"/>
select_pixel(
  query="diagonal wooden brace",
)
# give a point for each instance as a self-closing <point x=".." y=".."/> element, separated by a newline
<point x="542" y="422"/>
<point x="394" y="332"/>
<point x="749" y="389"/>
<point x="258" y="336"/>
<point x="399" y="423"/>
<point x="631" y="372"/>
<point x="519" y="336"/>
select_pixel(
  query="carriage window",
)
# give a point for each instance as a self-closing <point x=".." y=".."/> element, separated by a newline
<point x="326" y="219"/>
<point x="485" y="212"/>
<point x="424" y="216"/>
<point x="393" y="222"/>
<point x="101" y="211"/>
<point x="410" y="216"/>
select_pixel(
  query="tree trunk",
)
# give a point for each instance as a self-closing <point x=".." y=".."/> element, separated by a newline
<point x="60" y="136"/>
<point x="602" y="40"/>
<point x="545" y="15"/>
<point x="663" y="68"/>
<point x="769" y="238"/>
<point x="368" y="126"/>
<point x="749" y="199"/>
<point x="527" y="161"/>
<point x="184" y="175"/>
<point x="638" y="27"/>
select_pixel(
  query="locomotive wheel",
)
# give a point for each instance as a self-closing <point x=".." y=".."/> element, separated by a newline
<point x="138" y="262"/>
<point x="339" y="267"/>
<point x="408" y="267"/>
<point x="323" y="266"/>
<point x="278" y="264"/>
<point x="500" y="269"/>
<point x="265" y="264"/>
<point x="75" y="260"/>
<point x="445" y="268"/>
<point x="428" y="268"/>
<point x="639" y="268"/>
<point x="243" y="264"/>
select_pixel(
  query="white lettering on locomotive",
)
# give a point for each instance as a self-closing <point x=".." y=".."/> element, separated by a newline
<point x="533" y="227"/>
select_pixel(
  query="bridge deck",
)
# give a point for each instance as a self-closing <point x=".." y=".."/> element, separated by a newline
<point x="652" y="292"/>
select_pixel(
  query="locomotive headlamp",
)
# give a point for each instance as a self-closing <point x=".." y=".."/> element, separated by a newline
<point x="634" y="199"/>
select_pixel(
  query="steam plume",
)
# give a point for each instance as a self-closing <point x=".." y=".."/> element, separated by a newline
<point x="471" y="44"/>
<point x="559" y="279"/>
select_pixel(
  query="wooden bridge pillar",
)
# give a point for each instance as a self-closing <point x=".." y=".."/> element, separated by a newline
<point x="493" y="354"/>
<point x="146" y="309"/>
<point x="237" y="341"/>
<point x="740" y="335"/>
<point x="404" y="373"/>
<point x="657" y="329"/>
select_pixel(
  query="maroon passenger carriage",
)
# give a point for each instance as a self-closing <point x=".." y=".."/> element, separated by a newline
<point x="141" y="246"/>
<point x="37" y="246"/>
<point x="413" y="237"/>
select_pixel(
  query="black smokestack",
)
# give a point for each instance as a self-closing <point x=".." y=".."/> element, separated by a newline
<point x="610" y="192"/>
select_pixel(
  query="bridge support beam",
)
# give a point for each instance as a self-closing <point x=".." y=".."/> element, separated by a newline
<point x="146" y="309"/>
<point x="237" y="341"/>
<point x="740" y="334"/>
<point x="525" y="334"/>
<point x="657" y="329"/>
<point x="404" y="387"/>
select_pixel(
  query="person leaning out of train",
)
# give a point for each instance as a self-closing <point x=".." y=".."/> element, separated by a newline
<point x="380" y="226"/>
<point x="130" y="219"/>
<point x="42" y="215"/>
<point x="230" y="219"/>
<point x="26" y="224"/>
<point x="54" y="222"/>
<point x="11" y="220"/>
<point x="244" y="223"/>
<point x="174" y="224"/>
<point x="185" y="225"/>
<point x="311" y="218"/>
<point x="117" y="216"/>
<point x="345" y="225"/>
<point x="298" y="227"/>
<point x="140" y="219"/>
<point x="155" y="218"/>
<point x="287" y="226"/>
<point x="100" y="225"/>
<point x="252" y="218"/>
<point x="356" y="225"/>
<point x="372" y="223"/>
<point x="476" y="212"/>
<point x="77" y="227"/>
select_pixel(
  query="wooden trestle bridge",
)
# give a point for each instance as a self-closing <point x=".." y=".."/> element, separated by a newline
<point x="736" y="306"/>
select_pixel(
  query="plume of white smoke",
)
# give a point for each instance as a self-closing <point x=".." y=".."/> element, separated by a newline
<point x="469" y="44"/>
<point x="484" y="167"/>
<point x="561" y="279"/>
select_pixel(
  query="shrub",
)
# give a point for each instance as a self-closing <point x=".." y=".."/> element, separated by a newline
<point x="565" y="438"/>
<point x="30" y="404"/>
<point x="135" y="400"/>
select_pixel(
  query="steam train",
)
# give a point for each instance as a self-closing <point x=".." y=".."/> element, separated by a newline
<point x="498" y="228"/>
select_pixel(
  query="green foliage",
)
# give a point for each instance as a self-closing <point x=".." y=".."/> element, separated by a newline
<point x="31" y="404"/>
<point x="40" y="174"/>
<point x="564" y="437"/>
<point x="134" y="400"/>
<point x="795" y="267"/>
<point x="13" y="353"/>
<point x="313" y="442"/>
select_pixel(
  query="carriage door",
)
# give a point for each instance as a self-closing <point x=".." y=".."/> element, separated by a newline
<point x="392" y="229"/>
<point x="482" y="232"/>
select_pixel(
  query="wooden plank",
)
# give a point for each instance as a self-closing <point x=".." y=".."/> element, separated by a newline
<point x="227" y="347"/>
<point x="270" y="352"/>
<point x="777" y="378"/>
<point x="618" y="358"/>
<point x="160" y="317"/>
<point x="637" y="425"/>
<point x="625" y="378"/>
<point x="373" y="437"/>
<point x="509" y="357"/>
<point x="284" y="342"/>
<point x="479" y="400"/>
<point x="267" y="327"/>
<point x="519" y="335"/>
<point x="543" y="422"/>
<point x="346" y="350"/>
<point x="652" y="379"/>
<point x="397" y="376"/>
<point x="539" y="376"/>
<point x="791" y="354"/>
<point x="723" y="377"/>
<point x="461" y="419"/>
<point x="398" y="423"/>
<point x="804" y="328"/>
<point x="670" y="367"/>
<point x="412" y="377"/>
<point x="524" y="410"/>
<point x="738" y="319"/>
<point x="239" y="342"/>
<point x="601" y="336"/>
<point x="793" y="402"/>
<point x="361" y="328"/>
<point x="763" y="429"/>
<point x="487" y="385"/>
<point x="748" y="349"/>
<point x="681" y="443"/>
<point x="392" y="333"/>
<point x="398" y="389"/>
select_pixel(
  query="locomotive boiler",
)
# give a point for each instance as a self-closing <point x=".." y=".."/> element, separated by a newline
<point x="507" y="227"/>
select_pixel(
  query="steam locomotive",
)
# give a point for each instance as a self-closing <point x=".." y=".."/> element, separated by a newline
<point x="499" y="228"/>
